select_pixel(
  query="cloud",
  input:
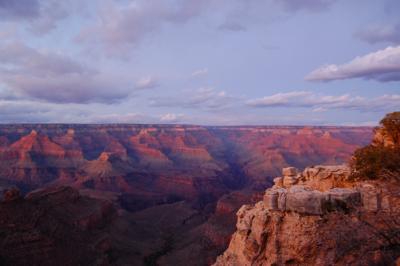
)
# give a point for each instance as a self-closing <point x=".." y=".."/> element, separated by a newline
<point x="28" y="111"/>
<point x="19" y="55"/>
<point x="383" y="65"/>
<point x="232" y="26"/>
<point x="51" y="12"/>
<point x="278" y="99"/>
<point x="121" y="26"/>
<point x="53" y="77"/>
<point x="309" y="5"/>
<point x="360" y="124"/>
<point x="171" y="118"/>
<point x="40" y="17"/>
<point x="320" y="102"/>
<point x="20" y="9"/>
<point x="204" y="98"/>
<point x="148" y="82"/>
<point x="200" y="72"/>
<point x="380" y="33"/>
<point x="127" y="118"/>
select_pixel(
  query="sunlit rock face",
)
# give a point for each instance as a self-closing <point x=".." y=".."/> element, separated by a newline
<point x="195" y="178"/>
<point x="185" y="161"/>
<point x="300" y="222"/>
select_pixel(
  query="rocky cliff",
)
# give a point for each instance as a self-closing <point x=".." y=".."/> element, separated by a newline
<point x="175" y="189"/>
<point x="319" y="217"/>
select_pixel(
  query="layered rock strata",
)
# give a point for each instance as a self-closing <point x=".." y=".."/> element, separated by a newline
<point x="300" y="222"/>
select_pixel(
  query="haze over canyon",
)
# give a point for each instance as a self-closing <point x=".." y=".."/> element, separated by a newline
<point x="157" y="194"/>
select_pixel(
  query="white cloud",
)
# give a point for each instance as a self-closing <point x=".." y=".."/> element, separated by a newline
<point x="278" y="99"/>
<point x="383" y="65"/>
<point x="321" y="103"/>
<point x="129" y="118"/>
<point x="148" y="82"/>
<point x="171" y="118"/>
<point x="200" y="72"/>
<point x="205" y="98"/>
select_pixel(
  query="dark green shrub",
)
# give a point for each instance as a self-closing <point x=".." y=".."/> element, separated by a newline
<point x="391" y="125"/>
<point x="380" y="160"/>
<point x="372" y="162"/>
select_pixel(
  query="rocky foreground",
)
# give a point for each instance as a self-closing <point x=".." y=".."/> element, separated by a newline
<point x="319" y="217"/>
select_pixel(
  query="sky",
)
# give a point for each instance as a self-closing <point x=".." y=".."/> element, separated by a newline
<point x="206" y="62"/>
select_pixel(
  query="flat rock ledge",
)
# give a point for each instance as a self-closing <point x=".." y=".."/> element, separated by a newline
<point x="303" y="200"/>
<point x="291" y="192"/>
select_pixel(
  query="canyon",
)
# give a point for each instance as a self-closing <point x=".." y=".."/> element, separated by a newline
<point x="319" y="217"/>
<point x="145" y="194"/>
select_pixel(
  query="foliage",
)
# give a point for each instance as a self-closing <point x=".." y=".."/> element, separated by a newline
<point x="372" y="162"/>
<point x="391" y="125"/>
<point x="379" y="160"/>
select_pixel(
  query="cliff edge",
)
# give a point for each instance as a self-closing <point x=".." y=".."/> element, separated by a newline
<point x="319" y="217"/>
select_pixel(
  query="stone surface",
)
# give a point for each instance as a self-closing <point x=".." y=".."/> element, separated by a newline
<point x="278" y="181"/>
<point x="289" y="171"/>
<point x="305" y="201"/>
<point x="148" y="169"/>
<point x="340" y="226"/>
<point x="271" y="199"/>
<point x="344" y="197"/>
<point x="370" y="197"/>
<point x="289" y="181"/>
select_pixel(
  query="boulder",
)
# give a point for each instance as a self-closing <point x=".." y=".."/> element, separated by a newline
<point x="302" y="200"/>
<point x="278" y="182"/>
<point x="271" y="199"/>
<point x="344" y="197"/>
<point x="369" y="197"/>
<point x="289" y="171"/>
<point x="320" y="172"/>
<point x="305" y="200"/>
<point x="244" y="218"/>
<point x="289" y="181"/>
<point x="282" y="200"/>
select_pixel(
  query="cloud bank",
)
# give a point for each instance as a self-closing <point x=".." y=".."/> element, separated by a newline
<point x="382" y="65"/>
<point x="54" y="77"/>
<point x="321" y="102"/>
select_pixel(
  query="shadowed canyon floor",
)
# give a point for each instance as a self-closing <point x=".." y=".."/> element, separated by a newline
<point x="145" y="194"/>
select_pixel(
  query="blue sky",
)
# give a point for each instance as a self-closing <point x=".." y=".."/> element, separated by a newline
<point x="225" y="62"/>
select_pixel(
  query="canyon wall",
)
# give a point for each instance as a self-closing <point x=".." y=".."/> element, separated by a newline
<point x="187" y="162"/>
<point x="319" y="217"/>
<point x="174" y="190"/>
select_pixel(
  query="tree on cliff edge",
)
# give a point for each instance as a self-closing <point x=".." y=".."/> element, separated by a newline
<point x="380" y="159"/>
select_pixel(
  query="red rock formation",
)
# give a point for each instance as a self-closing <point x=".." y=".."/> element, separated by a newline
<point x="182" y="157"/>
<point x="301" y="223"/>
<point x="176" y="188"/>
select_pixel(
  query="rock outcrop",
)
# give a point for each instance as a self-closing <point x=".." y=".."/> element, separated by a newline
<point x="300" y="222"/>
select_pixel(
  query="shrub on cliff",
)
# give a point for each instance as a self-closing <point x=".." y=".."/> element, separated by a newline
<point x="381" y="158"/>
<point x="391" y="127"/>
